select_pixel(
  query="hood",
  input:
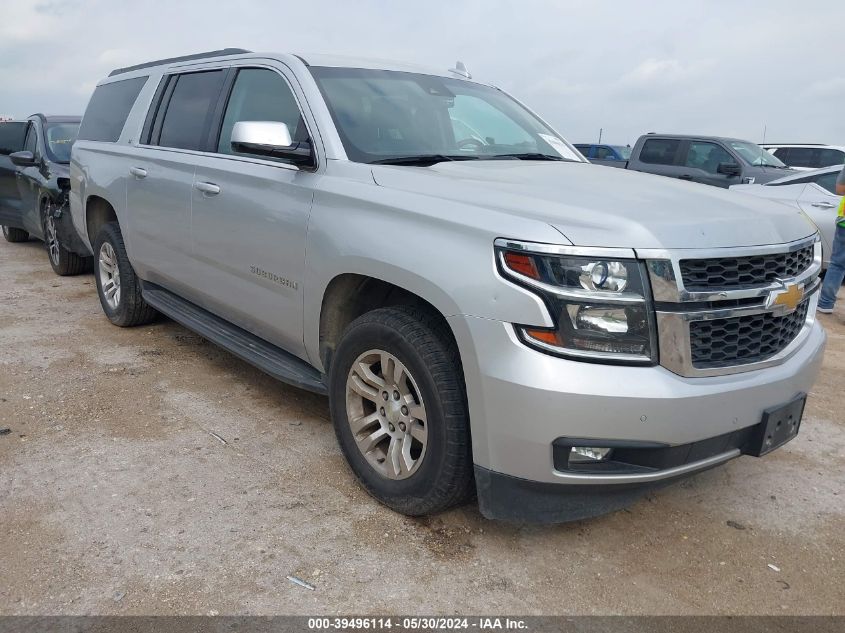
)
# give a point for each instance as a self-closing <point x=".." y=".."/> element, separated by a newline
<point x="596" y="206"/>
<point x="762" y="174"/>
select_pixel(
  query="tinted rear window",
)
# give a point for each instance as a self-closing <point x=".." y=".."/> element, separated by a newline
<point x="660" y="151"/>
<point x="188" y="117"/>
<point x="12" y="134"/>
<point x="108" y="109"/>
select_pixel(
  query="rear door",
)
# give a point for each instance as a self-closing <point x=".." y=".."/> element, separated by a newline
<point x="161" y="174"/>
<point x="12" y="139"/>
<point x="660" y="156"/>
<point x="250" y="215"/>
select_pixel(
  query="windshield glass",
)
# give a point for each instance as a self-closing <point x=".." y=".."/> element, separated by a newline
<point x="60" y="137"/>
<point x="623" y="150"/>
<point x="383" y="115"/>
<point x="755" y="155"/>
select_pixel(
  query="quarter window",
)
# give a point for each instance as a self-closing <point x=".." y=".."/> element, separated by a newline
<point x="660" y="151"/>
<point x="109" y="108"/>
<point x="188" y="116"/>
<point x="260" y="94"/>
<point x="707" y="156"/>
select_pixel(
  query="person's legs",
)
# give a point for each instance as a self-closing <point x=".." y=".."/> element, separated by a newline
<point x="835" y="272"/>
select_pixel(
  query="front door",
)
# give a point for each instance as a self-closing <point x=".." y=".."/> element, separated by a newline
<point x="12" y="138"/>
<point x="702" y="164"/>
<point x="250" y="216"/>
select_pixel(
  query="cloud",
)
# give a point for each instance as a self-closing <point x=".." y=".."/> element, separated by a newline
<point x="706" y="66"/>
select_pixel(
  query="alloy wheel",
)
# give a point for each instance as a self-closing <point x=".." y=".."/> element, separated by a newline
<point x="109" y="275"/>
<point x="386" y="414"/>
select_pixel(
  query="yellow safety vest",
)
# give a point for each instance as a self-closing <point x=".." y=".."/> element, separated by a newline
<point x="840" y="217"/>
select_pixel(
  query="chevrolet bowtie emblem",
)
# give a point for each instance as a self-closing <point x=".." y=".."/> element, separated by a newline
<point x="787" y="299"/>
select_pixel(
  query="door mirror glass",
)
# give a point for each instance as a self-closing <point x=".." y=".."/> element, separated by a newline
<point x="260" y="136"/>
<point x="729" y="169"/>
<point x="23" y="159"/>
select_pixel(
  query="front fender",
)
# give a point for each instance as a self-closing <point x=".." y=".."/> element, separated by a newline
<point x="444" y="256"/>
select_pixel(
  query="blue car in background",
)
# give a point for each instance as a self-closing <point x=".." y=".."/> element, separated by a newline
<point x="610" y="155"/>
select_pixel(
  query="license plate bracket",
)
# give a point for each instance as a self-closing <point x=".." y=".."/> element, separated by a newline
<point x="780" y="424"/>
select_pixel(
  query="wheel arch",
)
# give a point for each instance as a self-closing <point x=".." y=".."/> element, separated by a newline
<point x="350" y="295"/>
<point x="98" y="211"/>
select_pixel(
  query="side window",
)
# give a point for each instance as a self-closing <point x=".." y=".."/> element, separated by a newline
<point x="707" y="156"/>
<point x="802" y="157"/>
<point x="829" y="157"/>
<point x="605" y="153"/>
<point x="187" y="118"/>
<point x="782" y="153"/>
<point x="827" y="181"/>
<point x="584" y="149"/>
<point x="108" y="109"/>
<point x="660" y="151"/>
<point x="260" y="94"/>
<point x="12" y="134"/>
<point x="31" y="143"/>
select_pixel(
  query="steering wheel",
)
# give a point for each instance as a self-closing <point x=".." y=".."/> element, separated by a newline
<point x="471" y="143"/>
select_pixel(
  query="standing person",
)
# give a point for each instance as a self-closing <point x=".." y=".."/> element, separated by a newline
<point x="836" y="271"/>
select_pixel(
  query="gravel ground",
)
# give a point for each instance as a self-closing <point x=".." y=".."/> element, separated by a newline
<point x="148" y="472"/>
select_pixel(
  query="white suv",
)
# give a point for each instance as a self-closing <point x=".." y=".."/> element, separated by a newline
<point x="807" y="156"/>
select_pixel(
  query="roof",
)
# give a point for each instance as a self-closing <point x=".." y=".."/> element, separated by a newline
<point x="705" y="137"/>
<point x="57" y="118"/>
<point x="312" y="59"/>
<point x="342" y="61"/>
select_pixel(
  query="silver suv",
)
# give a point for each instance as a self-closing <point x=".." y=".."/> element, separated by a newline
<point x="486" y="311"/>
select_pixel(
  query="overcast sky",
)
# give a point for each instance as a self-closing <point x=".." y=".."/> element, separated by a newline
<point x="708" y="66"/>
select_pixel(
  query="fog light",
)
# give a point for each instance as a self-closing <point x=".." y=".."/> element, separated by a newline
<point x="586" y="454"/>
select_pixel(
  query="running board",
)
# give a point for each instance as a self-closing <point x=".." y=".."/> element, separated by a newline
<point x="256" y="351"/>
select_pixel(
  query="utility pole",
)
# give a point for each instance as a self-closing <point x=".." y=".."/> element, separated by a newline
<point x="600" y="131"/>
<point x="764" y="133"/>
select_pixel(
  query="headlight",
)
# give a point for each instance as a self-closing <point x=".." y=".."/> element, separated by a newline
<point x="600" y="303"/>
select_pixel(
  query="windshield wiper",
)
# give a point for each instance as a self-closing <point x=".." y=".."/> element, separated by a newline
<point x="534" y="156"/>
<point x="421" y="160"/>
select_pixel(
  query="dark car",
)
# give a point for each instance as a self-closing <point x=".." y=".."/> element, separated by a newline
<point x="34" y="158"/>
<point x="710" y="160"/>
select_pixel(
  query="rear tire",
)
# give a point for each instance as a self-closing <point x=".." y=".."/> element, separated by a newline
<point x="62" y="261"/>
<point x="15" y="235"/>
<point x="117" y="284"/>
<point x="418" y="399"/>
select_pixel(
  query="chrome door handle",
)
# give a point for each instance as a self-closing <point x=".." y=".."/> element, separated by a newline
<point x="208" y="188"/>
<point x="823" y="205"/>
<point x="138" y="172"/>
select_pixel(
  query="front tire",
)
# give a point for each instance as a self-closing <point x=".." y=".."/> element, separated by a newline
<point x="399" y="410"/>
<point x="15" y="235"/>
<point x="117" y="284"/>
<point x="62" y="261"/>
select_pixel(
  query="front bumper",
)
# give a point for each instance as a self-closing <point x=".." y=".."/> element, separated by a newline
<point x="522" y="400"/>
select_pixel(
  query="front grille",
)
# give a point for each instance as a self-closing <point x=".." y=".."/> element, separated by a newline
<point x="727" y="273"/>
<point x="744" y="339"/>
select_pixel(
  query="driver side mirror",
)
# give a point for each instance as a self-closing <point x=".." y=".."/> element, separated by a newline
<point x="270" y="138"/>
<point x="729" y="169"/>
<point x="23" y="159"/>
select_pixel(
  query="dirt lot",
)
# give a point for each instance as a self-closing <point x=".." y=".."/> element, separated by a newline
<point x="115" y="497"/>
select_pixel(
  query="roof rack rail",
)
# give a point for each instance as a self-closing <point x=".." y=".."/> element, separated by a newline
<point x="184" y="58"/>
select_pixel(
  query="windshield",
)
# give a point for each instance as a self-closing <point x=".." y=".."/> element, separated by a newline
<point x="60" y="137"/>
<point x="755" y="155"/>
<point x="623" y="150"/>
<point x="385" y="115"/>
